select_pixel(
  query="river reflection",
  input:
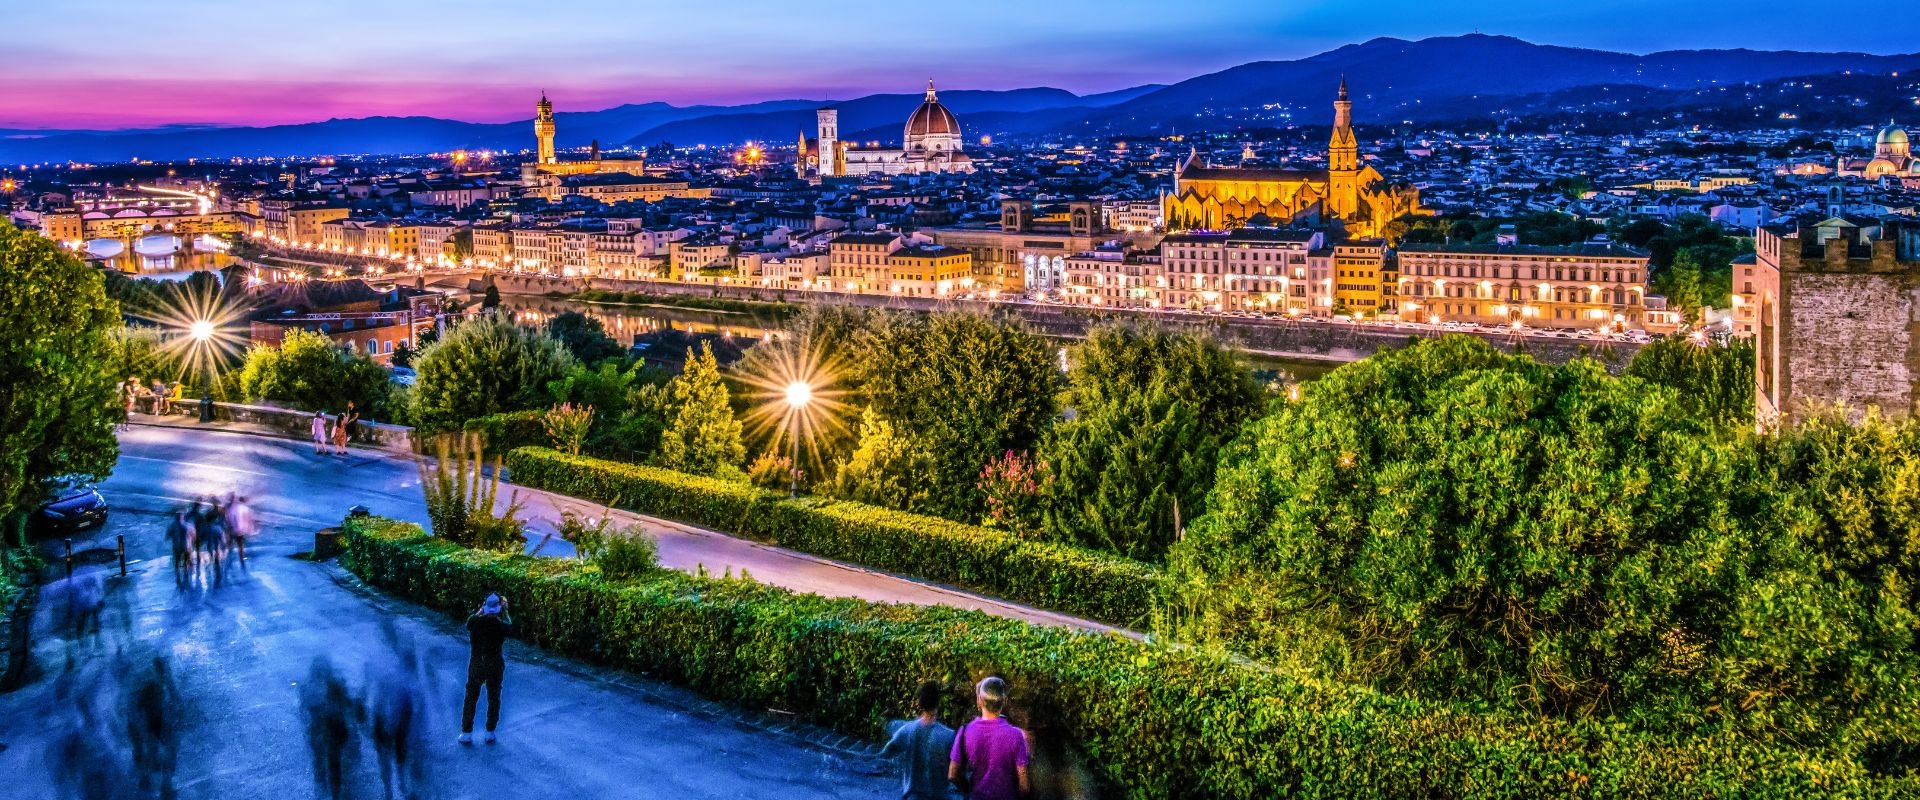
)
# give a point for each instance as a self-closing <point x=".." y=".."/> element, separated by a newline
<point x="624" y="323"/>
<point x="161" y="256"/>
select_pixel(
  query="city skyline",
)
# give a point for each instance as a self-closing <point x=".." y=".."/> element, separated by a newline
<point x="148" y="66"/>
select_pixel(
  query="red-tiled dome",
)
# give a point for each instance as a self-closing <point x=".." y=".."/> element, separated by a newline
<point x="932" y="118"/>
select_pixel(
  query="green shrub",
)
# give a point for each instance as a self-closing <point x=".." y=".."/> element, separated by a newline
<point x="628" y="553"/>
<point x="510" y="429"/>
<point x="1044" y="574"/>
<point x="1159" y="722"/>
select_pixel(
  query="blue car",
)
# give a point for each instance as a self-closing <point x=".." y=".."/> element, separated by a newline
<point x="71" y="505"/>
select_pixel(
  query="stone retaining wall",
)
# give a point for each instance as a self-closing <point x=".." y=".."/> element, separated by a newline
<point x="298" y="424"/>
<point x="1329" y="341"/>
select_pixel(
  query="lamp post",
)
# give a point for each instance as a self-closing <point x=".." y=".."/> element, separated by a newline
<point x="202" y="332"/>
<point x="799" y="394"/>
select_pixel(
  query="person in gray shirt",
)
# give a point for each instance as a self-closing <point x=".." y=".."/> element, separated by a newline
<point x="921" y="746"/>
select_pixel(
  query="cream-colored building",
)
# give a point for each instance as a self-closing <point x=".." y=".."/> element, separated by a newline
<point x="1113" y="277"/>
<point x="1277" y="270"/>
<point x="1584" y="286"/>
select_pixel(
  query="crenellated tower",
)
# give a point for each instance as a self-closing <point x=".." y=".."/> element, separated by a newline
<point x="543" y="130"/>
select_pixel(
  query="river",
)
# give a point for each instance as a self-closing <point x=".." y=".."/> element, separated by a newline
<point x="625" y="322"/>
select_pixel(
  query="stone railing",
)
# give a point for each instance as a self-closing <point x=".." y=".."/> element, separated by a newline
<point x="296" y="424"/>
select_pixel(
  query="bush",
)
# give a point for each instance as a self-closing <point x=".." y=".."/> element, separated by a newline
<point x="503" y="432"/>
<point x="1043" y="574"/>
<point x="485" y="366"/>
<point x="1451" y="522"/>
<point x="1160" y="722"/>
<point x="567" y="426"/>
<point x="309" y="372"/>
<point x="460" y="496"/>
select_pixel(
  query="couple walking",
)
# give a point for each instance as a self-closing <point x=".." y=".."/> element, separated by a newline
<point x="331" y="439"/>
<point x="986" y="760"/>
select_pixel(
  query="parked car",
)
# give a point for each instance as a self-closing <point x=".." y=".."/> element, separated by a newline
<point x="70" y="505"/>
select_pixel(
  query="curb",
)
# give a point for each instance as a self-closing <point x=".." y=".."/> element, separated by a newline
<point x="773" y="723"/>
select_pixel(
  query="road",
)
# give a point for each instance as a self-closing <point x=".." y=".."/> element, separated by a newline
<point x="240" y="648"/>
<point x="181" y="460"/>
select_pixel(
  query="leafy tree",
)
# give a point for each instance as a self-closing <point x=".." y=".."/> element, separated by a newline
<point x="141" y="352"/>
<point x="1680" y="282"/>
<point x="1151" y="409"/>
<point x="1450" y="521"/>
<point x="887" y="469"/>
<point x="965" y="387"/>
<point x="1715" y="384"/>
<point x="485" y="366"/>
<point x="490" y="299"/>
<point x="57" y="354"/>
<point x="584" y="337"/>
<point x="702" y="436"/>
<point x="309" y="373"/>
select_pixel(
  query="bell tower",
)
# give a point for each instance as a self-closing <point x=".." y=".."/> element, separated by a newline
<point x="832" y="163"/>
<point x="543" y="129"/>
<point x="1343" y="159"/>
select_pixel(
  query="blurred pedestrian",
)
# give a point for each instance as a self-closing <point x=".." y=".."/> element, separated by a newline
<point x="990" y="754"/>
<point x="242" y="525"/>
<point x="487" y="631"/>
<point x="319" y="427"/>
<point x="152" y="706"/>
<point x="923" y="746"/>
<point x="396" y="706"/>
<point x="333" y="717"/>
<point x="181" y="535"/>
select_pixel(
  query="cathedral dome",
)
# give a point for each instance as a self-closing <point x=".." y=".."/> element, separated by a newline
<point x="1890" y="137"/>
<point x="932" y="118"/>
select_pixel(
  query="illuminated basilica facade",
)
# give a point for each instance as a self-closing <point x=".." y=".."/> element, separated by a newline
<point x="1207" y="197"/>
<point x="931" y="143"/>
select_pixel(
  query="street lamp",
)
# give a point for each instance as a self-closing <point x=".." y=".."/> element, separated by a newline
<point x="201" y="331"/>
<point x="799" y="395"/>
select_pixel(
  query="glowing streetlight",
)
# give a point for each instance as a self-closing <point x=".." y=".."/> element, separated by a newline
<point x="201" y="330"/>
<point x="799" y="395"/>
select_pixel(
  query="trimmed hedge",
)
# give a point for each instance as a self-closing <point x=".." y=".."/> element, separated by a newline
<point x="1159" y="722"/>
<point x="1043" y="574"/>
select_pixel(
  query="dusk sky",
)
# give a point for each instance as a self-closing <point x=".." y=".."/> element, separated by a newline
<point x="126" y="63"/>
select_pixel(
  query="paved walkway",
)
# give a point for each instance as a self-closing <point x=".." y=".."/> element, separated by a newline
<point x="163" y="457"/>
<point x="241" y="648"/>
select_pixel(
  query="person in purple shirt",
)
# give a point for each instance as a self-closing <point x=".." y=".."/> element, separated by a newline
<point x="989" y="760"/>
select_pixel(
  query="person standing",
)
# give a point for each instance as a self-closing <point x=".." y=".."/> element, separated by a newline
<point x="340" y="434"/>
<point x="487" y="631"/>
<point x="922" y="745"/>
<point x="989" y="758"/>
<point x="319" y="427"/>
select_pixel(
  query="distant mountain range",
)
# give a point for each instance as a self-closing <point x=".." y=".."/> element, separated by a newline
<point x="1440" y="79"/>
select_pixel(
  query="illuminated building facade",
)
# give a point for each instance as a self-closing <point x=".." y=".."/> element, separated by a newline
<point x="1360" y="197"/>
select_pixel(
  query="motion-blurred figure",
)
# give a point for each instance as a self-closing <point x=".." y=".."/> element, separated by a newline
<point x="333" y="721"/>
<point x="395" y="686"/>
<point x="153" y="705"/>
<point x="181" y="534"/>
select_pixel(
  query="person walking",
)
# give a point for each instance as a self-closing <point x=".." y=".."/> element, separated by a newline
<point x="922" y="746"/>
<point x="487" y="631"/>
<point x="153" y="707"/>
<point x="181" y="534"/>
<point x="319" y="426"/>
<point x="394" y="686"/>
<point x="989" y="758"/>
<point x="333" y="717"/>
